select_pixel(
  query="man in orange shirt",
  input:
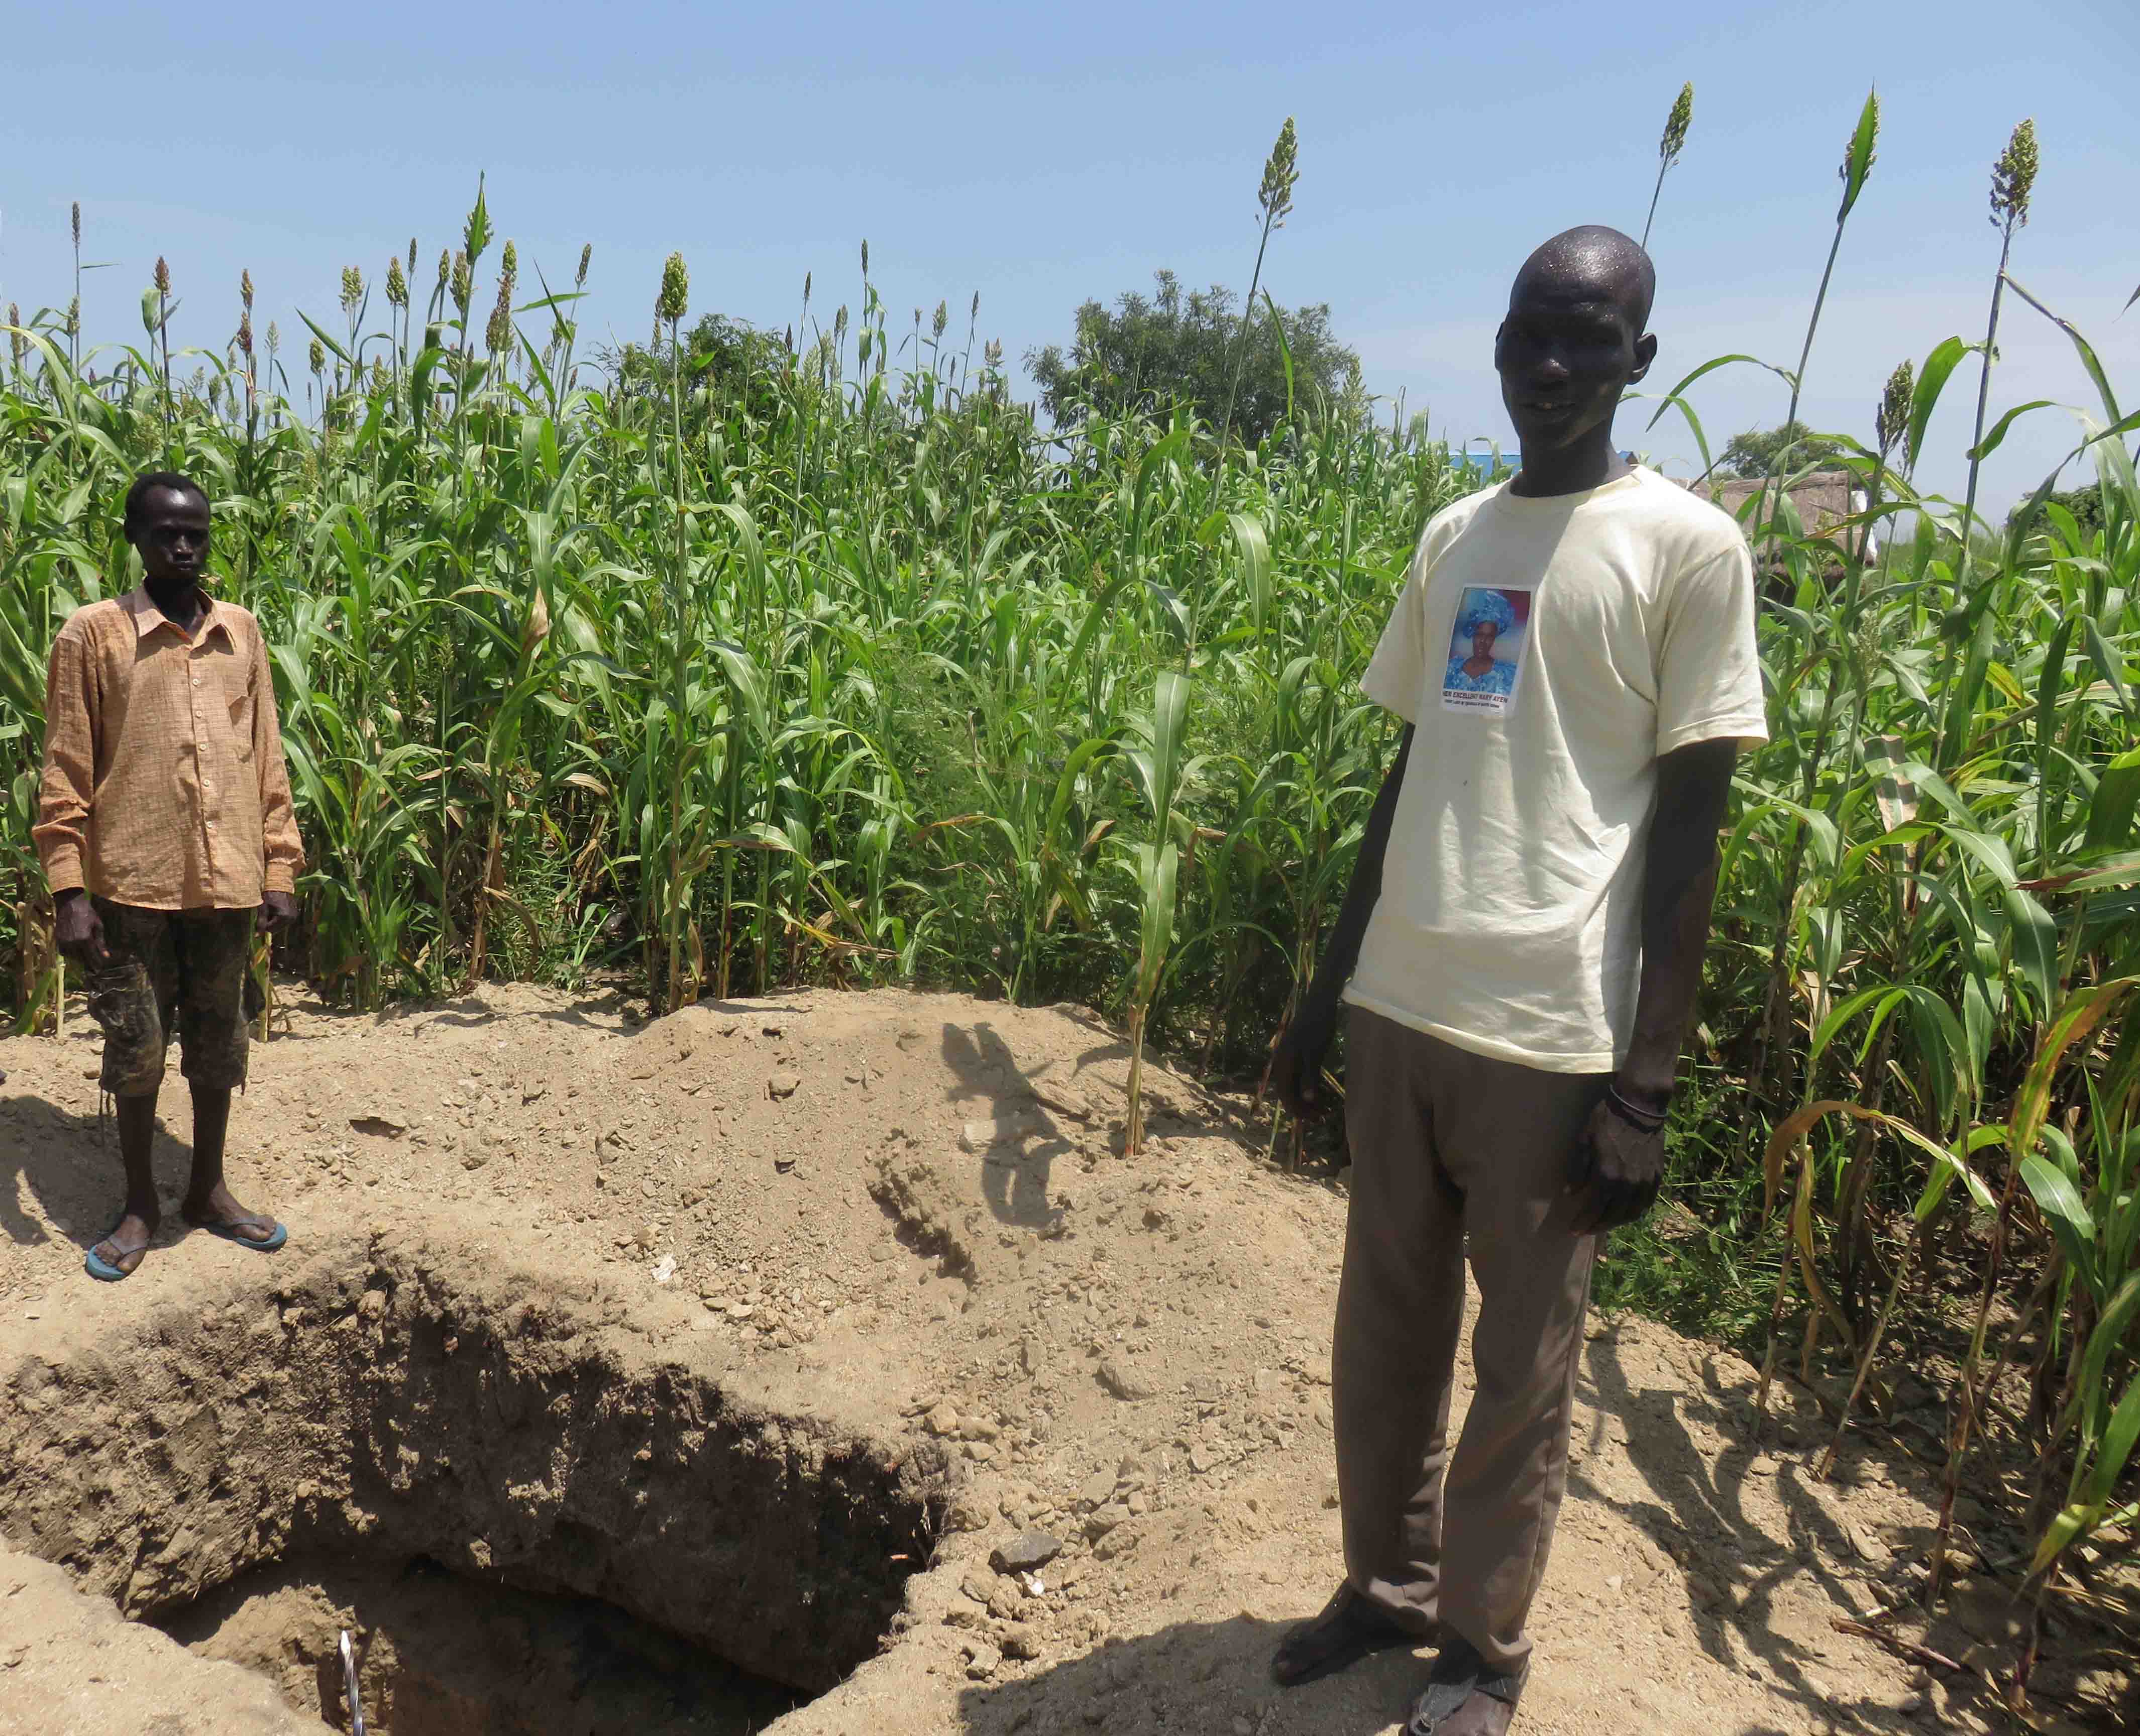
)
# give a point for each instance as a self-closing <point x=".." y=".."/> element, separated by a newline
<point x="166" y="832"/>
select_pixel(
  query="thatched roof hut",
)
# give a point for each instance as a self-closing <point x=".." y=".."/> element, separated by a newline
<point x="1821" y="501"/>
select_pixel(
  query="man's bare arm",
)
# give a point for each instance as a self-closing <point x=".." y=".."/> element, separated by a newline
<point x="1296" y="1072"/>
<point x="1619" y="1162"/>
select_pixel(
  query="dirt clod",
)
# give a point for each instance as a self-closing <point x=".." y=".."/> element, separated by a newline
<point x="1027" y="1552"/>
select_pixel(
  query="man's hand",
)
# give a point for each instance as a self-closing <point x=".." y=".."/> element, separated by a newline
<point x="77" y="930"/>
<point x="1296" y="1065"/>
<point x="1615" y="1171"/>
<point x="277" y="911"/>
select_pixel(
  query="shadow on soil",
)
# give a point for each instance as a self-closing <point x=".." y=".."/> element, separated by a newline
<point x="1694" y="1510"/>
<point x="1194" y="1675"/>
<point x="1014" y="1173"/>
<point x="69" y="1166"/>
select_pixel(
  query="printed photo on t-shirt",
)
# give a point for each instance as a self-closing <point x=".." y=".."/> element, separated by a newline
<point x="1487" y="650"/>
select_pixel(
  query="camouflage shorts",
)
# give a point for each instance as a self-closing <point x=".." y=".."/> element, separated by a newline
<point x="182" y="968"/>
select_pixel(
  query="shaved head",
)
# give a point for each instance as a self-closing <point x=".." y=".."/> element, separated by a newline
<point x="1571" y="343"/>
<point x="1595" y="263"/>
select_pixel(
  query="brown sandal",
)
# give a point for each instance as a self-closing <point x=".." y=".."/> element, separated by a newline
<point x="1349" y="1629"/>
<point x="1459" y="1684"/>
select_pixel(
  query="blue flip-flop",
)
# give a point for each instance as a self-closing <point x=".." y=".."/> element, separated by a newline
<point x="230" y="1228"/>
<point x="103" y="1271"/>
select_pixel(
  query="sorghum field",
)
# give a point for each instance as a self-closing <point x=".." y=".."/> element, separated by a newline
<point x="827" y="663"/>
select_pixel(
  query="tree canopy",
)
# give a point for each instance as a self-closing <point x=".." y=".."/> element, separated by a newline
<point x="1756" y="452"/>
<point x="728" y="358"/>
<point x="1151" y="352"/>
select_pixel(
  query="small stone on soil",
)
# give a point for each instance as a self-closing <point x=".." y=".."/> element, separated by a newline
<point x="1027" y="1552"/>
<point x="1122" y="1379"/>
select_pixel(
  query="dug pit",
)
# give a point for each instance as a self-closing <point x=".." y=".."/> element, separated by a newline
<point x="531" y="1519"/>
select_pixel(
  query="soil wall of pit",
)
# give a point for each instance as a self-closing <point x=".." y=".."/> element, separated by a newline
<point x="383" y="1402"/>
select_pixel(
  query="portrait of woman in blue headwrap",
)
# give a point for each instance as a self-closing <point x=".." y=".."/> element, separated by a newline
<point x="1483" y="618"/>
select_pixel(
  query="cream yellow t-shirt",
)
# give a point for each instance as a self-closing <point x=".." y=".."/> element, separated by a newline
<point x="1548" y="651"/>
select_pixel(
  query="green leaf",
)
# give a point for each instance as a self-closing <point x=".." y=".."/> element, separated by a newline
<point x="1713" y="363"/>
<point x="2119" y="1437"/>
<point x="1931" y="380"/>
<point x="2035" y="937"/>
<point x="1858" y="161"/>
<point x="1285" y="350"/>
<point x="327" y="340"/>
<point x="2111" y="1326"/>
<point x="1254" y="545"/>
<point x="2110" y="809"/>
<point x="2081" y="346"/>
<point x="2064" y="1211"/>
<point x="2108" y="663"/>
<point x="1990" y="444"/>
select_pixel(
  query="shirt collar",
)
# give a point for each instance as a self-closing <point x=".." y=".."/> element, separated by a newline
<point x="147" y="617"/>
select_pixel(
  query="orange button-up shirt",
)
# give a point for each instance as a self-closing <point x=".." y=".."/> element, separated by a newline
<point x="164" y="782"/>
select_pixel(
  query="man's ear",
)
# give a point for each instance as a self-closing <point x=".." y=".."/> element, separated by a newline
<point x="1646" y="352"/>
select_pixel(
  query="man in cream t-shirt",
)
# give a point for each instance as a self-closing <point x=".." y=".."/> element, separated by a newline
<point x="1573" y="657"/>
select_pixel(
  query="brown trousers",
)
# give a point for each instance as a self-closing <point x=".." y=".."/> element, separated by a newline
<point x="1446" y="1145"/>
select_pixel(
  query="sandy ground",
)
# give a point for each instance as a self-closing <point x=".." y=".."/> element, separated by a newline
<point x="918" y="1202"/>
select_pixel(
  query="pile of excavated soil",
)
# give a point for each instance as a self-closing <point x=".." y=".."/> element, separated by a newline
<point x="910" y="1213"/>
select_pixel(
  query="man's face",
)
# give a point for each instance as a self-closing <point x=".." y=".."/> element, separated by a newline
<point x="1567" y="351"/>
<point x="172" y="536"/>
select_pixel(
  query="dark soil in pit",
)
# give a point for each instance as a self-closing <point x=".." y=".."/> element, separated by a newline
<point x="536" y="1523"/>
<point x="441" y="1655"/>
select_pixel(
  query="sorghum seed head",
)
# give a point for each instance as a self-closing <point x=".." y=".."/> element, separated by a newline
<point x="1676" y="126"/>
<point x="274" y="338"/>
<point x="992" y="353"/>
<point x="74" y="316"/>
<point x="163" y="277"/>
<point x="77" y="225"/>
<point x="1893" y="420"/>
<point x="510" y="263"/>
<point x="676" y="293"/>
<point x="412" y="256"/>
<point x="498" y="334"/>
<point x="464" y="287"/>
<point x="397" y="286"/>
<point x="445" y="267"/>
<point x="352" y="290"/>
<point x="974" y="312"/>
<point x="806" y="289"/>
<point x="245" y="334"/>
<point x="2013" y="177"/>
<point x="586" y="258"/>
<point x="245" y="289"/>
<point x="316" y="356"/>
<point x="942" y="319"/>
<point x="1281" y="171"/>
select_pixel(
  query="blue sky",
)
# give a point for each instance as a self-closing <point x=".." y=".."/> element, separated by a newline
<point x="1040" y="157"/>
